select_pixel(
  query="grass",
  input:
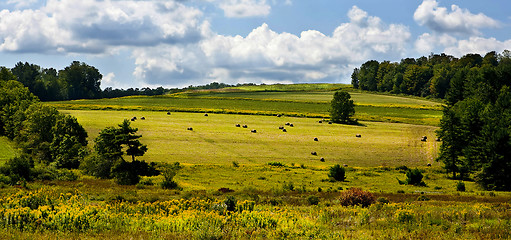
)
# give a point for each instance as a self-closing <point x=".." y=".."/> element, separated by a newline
<point x="369" y="107"/>
<point x="7" y="149"/>
<point x="216" y="140"/>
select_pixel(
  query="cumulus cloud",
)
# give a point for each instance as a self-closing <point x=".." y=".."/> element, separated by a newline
<point x="427" y="43"/>
<point x="477" y="45"/>
<point x="92" y="26"/>
<point x="265" y="56"/>
<point x="460" y="21"/>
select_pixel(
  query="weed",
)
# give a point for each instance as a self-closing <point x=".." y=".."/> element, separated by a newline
<point x="356" y="196"/>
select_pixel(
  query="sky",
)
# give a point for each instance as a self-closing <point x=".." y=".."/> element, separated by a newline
<point x="177" y="43"/>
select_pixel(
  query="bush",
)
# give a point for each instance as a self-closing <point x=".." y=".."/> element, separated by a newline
<point x="97" y="166"/>
<point x="230" y="203"/>
<point x="125" y="173"/>
<point x="235" y="164"/>
<point x="460" y="186"/>
<point x="337" y="172"/>
<point x="169" y="171"/>
<point x="276" y="164"/>
<point x="19" y="168"/>
<point x="313" y="200"/>
<point x="414" y="177"/>
<point x="383" y="200"/>
<point x="356" y="196"/>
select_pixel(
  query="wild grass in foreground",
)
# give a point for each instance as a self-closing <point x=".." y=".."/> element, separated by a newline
<point x="50" y="214"/>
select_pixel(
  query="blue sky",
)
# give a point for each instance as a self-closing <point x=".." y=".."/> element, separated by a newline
<point x="176" y="43"/>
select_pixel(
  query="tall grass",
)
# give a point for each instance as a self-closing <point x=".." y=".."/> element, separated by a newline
<point x="208" y="218"/>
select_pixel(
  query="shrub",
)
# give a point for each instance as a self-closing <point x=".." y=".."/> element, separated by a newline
<point x="383" y="200"/>
<point x="97" y="166"/>
<point x="235" y="164"/>
<point x="276" y="164"/>
<point x="356" y="196"/>
<point x="19" y="168"/>
<point x="169" y="171"/>
<point x="337" y="172"/>
<point x="230" y="203"/>
<point x="460" y="186"/>
<point x="414" y="177"/>
<point x="125" y="173"/>
<point x="313" y="200"/>
<point x="423" y="198"/>
<point x="402" y="168"/>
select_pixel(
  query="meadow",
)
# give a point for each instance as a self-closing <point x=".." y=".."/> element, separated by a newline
<point x="254" y="101"/>
<point x="280" y="190"/>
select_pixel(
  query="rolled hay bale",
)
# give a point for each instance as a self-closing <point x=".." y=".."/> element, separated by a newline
<point x="314" y="153"/>
<point x="245" y="126"/>
<point x="358" y="135"/>
<point x="189" y="129"/>
<point x="142" y="118"/>
<point x="238" y="125"/>
<point x="322" y="159"/>
<point x="253" y="131"/>
<point x="284" y="130"/>
<point x="168" y="113"/>
<point x="316" y="139"/>
<point x="205" y="115"/>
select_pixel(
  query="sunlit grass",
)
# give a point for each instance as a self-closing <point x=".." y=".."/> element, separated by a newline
<point x="7" y="149"/>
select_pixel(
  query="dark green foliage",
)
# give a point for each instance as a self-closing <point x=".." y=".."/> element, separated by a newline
<point x="82" y="81"/>
<point x="98" y="166"/>
<point x="169" y="171"/>
<point x="230" y="203"/>
<point x="337" y="173"/>
<point x="19" y="168"/>
<point x="422" y="198"/>
<point x="356" y="197"/>
<point x="342" y="107"/>
<point x="125" y="174"/>
<point x="460" y="186"/>
<point x="276" y="164"/>
<point x="313" y="200"/>
<point x="414" y="177"/>
<point x="111" y="144"/>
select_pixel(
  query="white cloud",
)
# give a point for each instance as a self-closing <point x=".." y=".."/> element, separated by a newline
<point x="460" y="21"/>
<point x="93" y="26"/>
<point x="265" y="56"/>
<point x="244" y="8"/>
<point x="477" y="45"/>
<point x="428" y="43"/>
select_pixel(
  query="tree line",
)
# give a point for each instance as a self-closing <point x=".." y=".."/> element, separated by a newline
<point x="475" y="128"/>
<point x="82" y="81"/>
<point x="430" y="76"/>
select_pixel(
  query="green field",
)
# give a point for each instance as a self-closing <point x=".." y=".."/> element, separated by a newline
<point x="7" y="149"/>
<point x="369" y="107"/>
<point x="216" y="140"/>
